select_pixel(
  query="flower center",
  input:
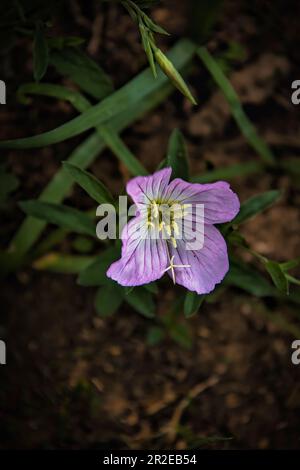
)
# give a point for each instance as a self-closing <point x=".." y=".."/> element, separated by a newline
<point x="162" y="216"/>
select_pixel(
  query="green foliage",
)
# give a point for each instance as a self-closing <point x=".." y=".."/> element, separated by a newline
<point x="192" y="303"/>
<point x="147" y="29"/>
<point x="121" y="101"/>
<point x="40" y="53"/>
<point x="278" y="276"/>
<point x="177" y="157"/>
<point x="155" y="335"/>
<point x="73" y="63"/>
<point x="255" y="205"/>
<point x="60" y="215"/>
<point x="95" y="273"/>
<point x="94" y="188"/>
<point x="8" y="184"/>
<point x="248" y="279"/>
<point x="230" y="172"/>
<point x="246" y="127"/>
<point x="142" y="301"/>
<point x="108" y="299"/>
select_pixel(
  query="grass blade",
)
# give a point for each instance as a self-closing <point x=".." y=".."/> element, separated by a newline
<point x="131" y="94"/>
<point x="229" y="173"/>
<point x="95" y="188"/>
<point x="58" y="214"/>
<point x="85" y="72"/>
<point x="242" y="120"/>
<point x="177" y="157"/>
<point x="63" y="264"/>
<point x="255" y="205"/>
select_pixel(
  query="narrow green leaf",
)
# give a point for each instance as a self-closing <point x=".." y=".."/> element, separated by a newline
<point x="172" y="73"/>
<point x="246" y="127"/>
<point x="108" y="299"/>
<point x="61" y="42"/>
<point x="95" y="188"/>
<point x="83" y="244"/>
<point x="228" y="173"/>
<point x="255" y="205"/>
<point x="177" y="157"/>
<point x="181" y="334"/>
<point x="85" y="72"/>
<point x="155" y="335"/>
<point x="8" y="183"/>
<point x="60" y="215"/>
<point x="152" y="287"/>
<point x="95" y="273"/>
<point x="53" y="91"/>
<point x="277" y="275"/>
<point x="128" y="97"/>
<point x="148" y="49"/>
<point x="117" y="146"/>
<point x="84" y="155"/>
<point x="192" y="303"/>
<point x="248" y="279"/>
<point x="154" y="27"/>
<point x="63" y="264"/>
<point x="40" y="53"/>
<point x="291" y="264"/>
<point x="141" y="300"/>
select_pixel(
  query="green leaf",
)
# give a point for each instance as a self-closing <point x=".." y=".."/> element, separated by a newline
<point x="152" y="287"/>
<point x="83" y="244"/>
<point x="8" y="183"/>
<point x="277" y="275"/>
<point x="291" y="264"/>
<point x="141" y="300"/>
<point x="243" y="122"/>
<point x="63" y="264"/>
<point x="248" y="279"/>
<point x="228" y="173"/>
<point x="155" y="335"/>
<point x="40" y="53"/>
<point x="86" y="73"/>
<point x="95" y="188"/>
<point x="95" y="273"/>
<point x="148" y="49"/>
<point x="88" y="150"/>
<point x="154" y="27"/>
<point x="177" y="157"/>
<point x="61" y="42"/>
<point x="182" y="335"/>
<point x="118" y="147"/>
<point x="60" y="215"/>
<point x="126" y="99"/>
<point x="192" y="303"/>
<point x="172" y="73"/>
<point x="255" y="205"/>
<point x="108" y="299"/>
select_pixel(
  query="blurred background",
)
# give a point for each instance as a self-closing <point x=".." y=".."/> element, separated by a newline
<point x="222" y="379"/>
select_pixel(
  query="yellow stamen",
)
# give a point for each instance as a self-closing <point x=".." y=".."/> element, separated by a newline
<point x="174" y="243"/>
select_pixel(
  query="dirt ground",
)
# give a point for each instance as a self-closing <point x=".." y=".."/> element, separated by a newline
<point x="74" y="380"/>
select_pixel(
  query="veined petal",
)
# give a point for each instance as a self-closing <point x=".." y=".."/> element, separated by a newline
<point x="221" y="204"/>
<point x="143" y="260"/>
<point x="144" y="189"/>
<point x="208" y="265"/>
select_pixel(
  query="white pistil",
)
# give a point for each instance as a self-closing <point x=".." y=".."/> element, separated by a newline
<point x="172" y="266"/>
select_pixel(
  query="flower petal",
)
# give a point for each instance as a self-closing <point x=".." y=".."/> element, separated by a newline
<point x="208" y="265"/>
<point x="143" y="189"/>
<point x="221" y="204"/>
<point x="143" y="260"/>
